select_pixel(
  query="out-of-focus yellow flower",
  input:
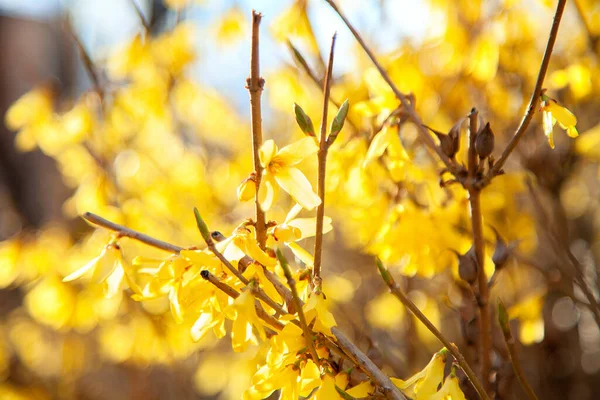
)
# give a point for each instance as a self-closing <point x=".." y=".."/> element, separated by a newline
<point x="231" y="26"/>
<point x="425" y="382"/>
<point x="386" y="139"/>
<point x="178" y="5"/>
<point x="51" y="302"/>
<point x="552" y="113"/>
<point x="279" y="168"/>
<point x="529" y="313"/>
<point x="294" y="23"/>
<point x="174" y="50"/>
<point x="31" y="115"/>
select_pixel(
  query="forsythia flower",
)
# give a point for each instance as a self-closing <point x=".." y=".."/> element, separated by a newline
<point x="315" y="308"/>
<point x="553" y="113"/>
<point x="426" y="381"/>
<point x="451" y="388"/>
<point x="243" y="314"/>
<point x="108" y="267"/>
<point x="247" y="189"/>
<point x="293" y="229"/>
<point x="278" y="167"/>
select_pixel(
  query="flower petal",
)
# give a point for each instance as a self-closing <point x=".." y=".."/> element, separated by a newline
<point x="378" y="145"/>
<point x="295" y="152"/>
<point x="266" y="152"/>
<point x="266" y="192"/>
<point x="295" y="183"/>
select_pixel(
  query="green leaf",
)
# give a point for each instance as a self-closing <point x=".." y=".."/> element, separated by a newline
<point x="202" y="226"/>
<point x="304" y="121"/>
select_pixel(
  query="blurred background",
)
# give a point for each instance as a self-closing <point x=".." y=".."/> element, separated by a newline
<point x="141" y="136"/>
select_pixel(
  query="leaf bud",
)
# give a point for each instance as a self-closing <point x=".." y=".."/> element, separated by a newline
<point x="304" y="121"/>
<point x="484" y="142"/>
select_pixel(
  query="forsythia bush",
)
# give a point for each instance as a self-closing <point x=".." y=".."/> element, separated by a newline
<point x="198" y="211"/>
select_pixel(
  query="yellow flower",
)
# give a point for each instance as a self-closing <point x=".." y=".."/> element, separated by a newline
<point x="316" y="308"/>
<point x="426" y="381"/>
<point x="109" y="267"/>
<point x="451" y="387"/>
<point x="553" y="113"/>
<point x="293" y="229"/>
<point x="231" y="26"/>
<point x="294" y="23"/>
<point x="243" y="314"/>
<point x="279" y="167"/>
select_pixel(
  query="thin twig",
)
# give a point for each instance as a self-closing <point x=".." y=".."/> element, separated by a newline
<point x="410" y="111"/>
<point x="308" y="334"/>
<point x="512" y="351"/>
<point x="535" y="96"/>
<point x="130" y="233"/>
<point x="141" y="16"/>
<point x="322" y="169"/>
<point x="89" y="65"/>
<point x="231" y="292"/>
<point x="485" y="331"/>
<point x="397" y="291"/>
<point x="255" y="84"/>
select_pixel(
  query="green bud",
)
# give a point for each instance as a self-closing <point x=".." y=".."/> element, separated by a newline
<point x="304" y="121"/>
<point x="338" y="122"/>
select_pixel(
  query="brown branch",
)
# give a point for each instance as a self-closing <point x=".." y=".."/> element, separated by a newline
<point x="535" y="96"/>
<point x="512" y="351"/>
<point x="308" y="334"/>
<point x="397" y="291"/>
<point x="255" y="84"/>
<point x="410" y="111"/>
<point x="130" y="233"/>
<point x="485" y="331"/>
<point x="231" y="292"/>
<point x="322" y="169"/>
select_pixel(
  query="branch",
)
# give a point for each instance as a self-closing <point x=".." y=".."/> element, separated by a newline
<point x="410" y="111"/>
<point x="130" y="233"/>
<point x="255" y="85"/>
<point x="396" y="290"/>
<point x="322" y="169"/>
<point x="89" y="65"/>
<point x="485" y="331"/>
<point x="231" y="292"/>
<point x="308" y="334"/>
<point x="512" y="351"/>
<point x="535" y="96"/>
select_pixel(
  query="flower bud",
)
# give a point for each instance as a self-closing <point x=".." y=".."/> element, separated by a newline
<point x="467" y="266"/>
<point x="247" y="189"/>
<point x="484" y="142"/>
<point x="501" y="252"/>
<point x="286" y="233"/>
